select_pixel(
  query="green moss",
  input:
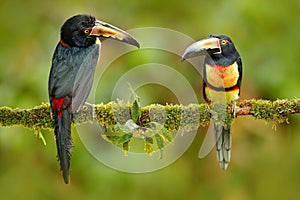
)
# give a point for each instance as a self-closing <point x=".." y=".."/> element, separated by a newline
<point x="222" y="113"/>
<point x="171" y="116"/>
<point x="153" y="122"/>
<point x="204" y="111"/>
<point x="37" y="118"/>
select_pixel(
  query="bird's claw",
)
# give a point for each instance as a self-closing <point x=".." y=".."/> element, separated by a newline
<point x="234" y="109"/>
<point x="90" y="107"/>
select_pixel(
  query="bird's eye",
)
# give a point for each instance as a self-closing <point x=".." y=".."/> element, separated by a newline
<point x="223" y="42"/>
<point x="86" y="31"/>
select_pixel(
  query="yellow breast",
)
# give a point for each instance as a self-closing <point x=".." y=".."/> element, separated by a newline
<point x="222" y="76"/>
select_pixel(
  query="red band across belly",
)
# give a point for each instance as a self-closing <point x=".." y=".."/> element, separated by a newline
<point x="236" y="87"/>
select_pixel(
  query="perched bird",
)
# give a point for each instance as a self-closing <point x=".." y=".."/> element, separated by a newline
<point x="222" y="75"/>
<point x="71" y="75"/>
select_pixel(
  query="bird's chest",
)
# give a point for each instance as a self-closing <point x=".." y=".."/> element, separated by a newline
<point x="222" y="76"/>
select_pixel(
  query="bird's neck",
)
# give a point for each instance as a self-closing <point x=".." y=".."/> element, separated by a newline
<point x="220" y="60"/>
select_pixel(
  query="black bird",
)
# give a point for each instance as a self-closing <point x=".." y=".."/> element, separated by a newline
<point x="222" y="75"/>
<point x="72" y="73"/>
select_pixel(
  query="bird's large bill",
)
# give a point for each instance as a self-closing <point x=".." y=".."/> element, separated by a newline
<point x="102" y="29"/>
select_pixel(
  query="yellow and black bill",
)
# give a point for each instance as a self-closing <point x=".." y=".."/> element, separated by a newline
<point x="105" y="30"/>
<point x="202" y="47"/>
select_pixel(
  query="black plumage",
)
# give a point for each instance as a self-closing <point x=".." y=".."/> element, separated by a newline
<point x="71" y="75"/>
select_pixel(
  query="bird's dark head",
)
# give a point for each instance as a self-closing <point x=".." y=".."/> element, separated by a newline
<point x="75" y="31"/>
<point x="83" y="30"/>
<point x="226" y="45"/>
<point x="217" y="46"/>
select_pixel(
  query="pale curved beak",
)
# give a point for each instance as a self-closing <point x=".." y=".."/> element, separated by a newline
<point x="102" y="29"/>
<point x="210" y="46"/>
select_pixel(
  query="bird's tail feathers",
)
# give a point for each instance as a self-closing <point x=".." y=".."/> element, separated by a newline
<point x="64" y="142"/>
<point x="223" y="136"/>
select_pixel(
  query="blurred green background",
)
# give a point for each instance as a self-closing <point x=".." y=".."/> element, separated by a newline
<point x="265" y="163"/>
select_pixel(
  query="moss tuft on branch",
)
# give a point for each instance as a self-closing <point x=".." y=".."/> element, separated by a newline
<point x="269" y="110"/>
<point x="155" y="124"/>
<point x="37" y="118"/>
<point x="172" y="116"/>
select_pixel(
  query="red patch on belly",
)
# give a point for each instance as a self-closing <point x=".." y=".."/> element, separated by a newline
<point x="221" y="70"/>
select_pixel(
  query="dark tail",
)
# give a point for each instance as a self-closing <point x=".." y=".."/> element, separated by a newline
<point x="64" y="142"/>
<point x="223" y="144"/>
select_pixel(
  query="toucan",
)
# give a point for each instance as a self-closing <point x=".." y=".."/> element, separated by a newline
<point x="72" y="73"/>
<point x="222" y="76"/>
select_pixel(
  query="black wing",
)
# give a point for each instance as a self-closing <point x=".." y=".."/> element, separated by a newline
<point x="84" y="78"/>
<point x="240" y="68"/>
<point x="72" y="73"/>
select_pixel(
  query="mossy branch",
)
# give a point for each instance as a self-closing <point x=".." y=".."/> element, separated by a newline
<point x="173" y="117"/>
<point x="155" y="124"/>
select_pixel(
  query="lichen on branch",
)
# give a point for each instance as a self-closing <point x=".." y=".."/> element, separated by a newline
<point x="155" y="124"/>
<point x="173" y="116"/>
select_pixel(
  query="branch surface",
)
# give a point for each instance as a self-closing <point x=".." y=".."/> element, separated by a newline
<point x="173" y="117"/>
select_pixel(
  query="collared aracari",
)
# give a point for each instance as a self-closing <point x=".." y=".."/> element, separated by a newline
<point x="72" y="72"/>
<point x="222" y="75"/>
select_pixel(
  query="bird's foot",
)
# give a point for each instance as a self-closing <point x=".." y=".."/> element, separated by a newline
<point x="234" y="109"/>
<point x="90" y="108"/>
